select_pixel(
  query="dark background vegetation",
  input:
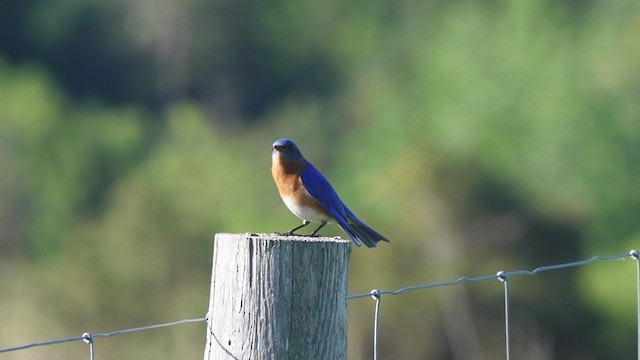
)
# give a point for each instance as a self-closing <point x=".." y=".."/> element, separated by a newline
<point x="477" y="135"/>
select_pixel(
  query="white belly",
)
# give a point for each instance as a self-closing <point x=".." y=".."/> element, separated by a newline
<point x="305" y="212"/>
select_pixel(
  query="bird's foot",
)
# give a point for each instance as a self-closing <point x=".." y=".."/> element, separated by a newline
<point x="288" y="233"/>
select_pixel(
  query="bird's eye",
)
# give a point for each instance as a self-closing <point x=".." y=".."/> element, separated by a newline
<point x="284" y="147"/>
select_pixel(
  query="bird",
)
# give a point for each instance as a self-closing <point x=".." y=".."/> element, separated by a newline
<point x="309" y="195"/>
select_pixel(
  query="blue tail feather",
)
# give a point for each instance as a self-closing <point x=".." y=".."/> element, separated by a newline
<point x="360" y="232"/>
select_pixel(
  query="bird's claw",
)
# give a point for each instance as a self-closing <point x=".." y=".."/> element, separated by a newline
<point x="288" y="233"/>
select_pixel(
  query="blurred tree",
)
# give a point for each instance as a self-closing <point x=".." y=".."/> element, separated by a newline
<point x="64" y="160"/>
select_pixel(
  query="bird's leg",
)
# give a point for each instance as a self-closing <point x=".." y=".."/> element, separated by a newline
<point x="291" y="232"/>
<point x="322" y="224"/>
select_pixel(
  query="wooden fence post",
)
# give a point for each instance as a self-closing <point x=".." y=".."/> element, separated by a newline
<point x="278" y="297"/>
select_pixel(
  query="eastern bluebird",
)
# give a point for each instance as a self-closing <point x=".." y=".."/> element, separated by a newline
<point x="308" y="194"/>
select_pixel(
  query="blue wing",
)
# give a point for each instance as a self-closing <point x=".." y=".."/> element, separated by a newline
<point x="321" y="190"/>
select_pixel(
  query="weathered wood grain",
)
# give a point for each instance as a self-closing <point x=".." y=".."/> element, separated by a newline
<point x="278" y="297"/>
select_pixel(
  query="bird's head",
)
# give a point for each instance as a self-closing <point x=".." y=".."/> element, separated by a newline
<point x="286" y="149"/>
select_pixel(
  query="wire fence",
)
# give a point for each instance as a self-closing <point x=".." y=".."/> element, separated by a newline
<point x="89" y="338"/>
<point x="502" y="276"/>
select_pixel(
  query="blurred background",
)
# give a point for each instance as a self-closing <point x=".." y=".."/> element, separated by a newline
<point x="476" y="135"/>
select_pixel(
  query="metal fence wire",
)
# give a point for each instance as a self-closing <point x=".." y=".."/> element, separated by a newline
<point x="503" y="276"/>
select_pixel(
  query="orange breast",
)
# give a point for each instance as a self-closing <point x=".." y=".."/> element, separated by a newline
<point x="286" y="174"/>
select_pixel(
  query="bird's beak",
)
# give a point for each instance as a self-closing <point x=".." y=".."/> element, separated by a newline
<point x="279" y="148"/>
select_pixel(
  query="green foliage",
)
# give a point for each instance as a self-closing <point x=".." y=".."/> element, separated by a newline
<point x="476" y="136"/>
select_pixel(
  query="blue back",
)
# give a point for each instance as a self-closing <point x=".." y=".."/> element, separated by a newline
<point x="318" y="186"/>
